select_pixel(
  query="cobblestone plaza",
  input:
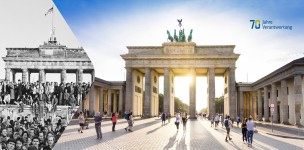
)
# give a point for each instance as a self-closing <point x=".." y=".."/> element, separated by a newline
<point x="149" y="134"/>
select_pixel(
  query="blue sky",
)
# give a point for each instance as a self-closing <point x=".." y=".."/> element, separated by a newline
<point x="105" y="28"/>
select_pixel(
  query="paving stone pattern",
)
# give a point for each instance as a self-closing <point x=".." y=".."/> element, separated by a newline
<point x="149" y="134"/>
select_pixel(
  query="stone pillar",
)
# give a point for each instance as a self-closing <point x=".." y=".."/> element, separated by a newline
<point x="247" y="105"/>
<point x="93" y="76"/>
<point x="250" y="104"/>
<point x="109" y="102"/>
<point x="298" y="97"/>
<point x="29" y="75"/>
<point x="254" y="107"/>
<point x="129" y="89"/>
<point x="148" y="93"/>
<point x="266" y="104"/>
<point x="14" y="75"/>
<point x="232" y="92"/>
<point x="192" y="94"/>
<point x="274" y="101"/>
<point x="167" y="90"/>
<point x="41" y="76"/>
<point x="24" y="75"/>
<point x="284" y="102"/>
<point x="114" y="104"/>
<point x="92" y="101"/>
<point x="7" y="74"/>
<point x="260" y="108"/>
<point x="63" y="76"/>
<point x="80" y="76"/>
<point x="241" y="104"/>
<point x="120" y="108"/>
<point x="211" y="91"/>
<point x="101" y="101"/>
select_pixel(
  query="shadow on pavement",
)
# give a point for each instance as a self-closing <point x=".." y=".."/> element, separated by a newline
<point x="105" y="136"/>
<point x="171" y="142"/>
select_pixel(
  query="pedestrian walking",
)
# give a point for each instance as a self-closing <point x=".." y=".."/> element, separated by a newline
<point x="238" y="120"/>
<point x="114" y="120"/>
<point x="228" y="125"/>
<point x="216" y="120"/>
<point x="85" y="113"/>
<point x="98" y="119"/>
<point x="250" y="128"/>
<point x="184" y="119"/>
<point x="177" y="120"/>
<point x="212" y="120"/>
<point x="127" y="114"/>
<point x="163" y="118"/>
<point x="81" y="122"/>
<point x="244" y="130"/>
<point x="130" y="123"/>
<point x="221" y="120"/>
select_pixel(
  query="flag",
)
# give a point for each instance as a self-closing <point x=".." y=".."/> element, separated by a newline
<point x="49" y="11"/>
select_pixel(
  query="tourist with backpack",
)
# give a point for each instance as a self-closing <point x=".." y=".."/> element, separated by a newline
<point x="130" y="123"/>
<point x="228" y="125"/>
<point x="126" y="116"/>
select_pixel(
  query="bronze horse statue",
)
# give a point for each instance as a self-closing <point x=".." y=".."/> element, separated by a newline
<point x="175" y="36"/>
<point x="190" y="36"/>
<point x="169" y="36"/>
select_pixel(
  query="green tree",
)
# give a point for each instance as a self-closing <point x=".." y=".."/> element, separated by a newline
<point x="219" y="104"/>
<point x="179" y="106"/>
<point x="204" y="110"/>
<point x="161" y="102"/>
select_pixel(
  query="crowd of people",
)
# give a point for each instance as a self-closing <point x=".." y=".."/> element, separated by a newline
<point x="247" y="126"/>
<point x="22" y="130"/>
<point x="30" y="133"/>
<point x="49" y="94"/>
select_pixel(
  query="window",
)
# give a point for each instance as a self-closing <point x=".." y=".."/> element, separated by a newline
<point x="154" y="90"/>
<point x="137" y="89"/>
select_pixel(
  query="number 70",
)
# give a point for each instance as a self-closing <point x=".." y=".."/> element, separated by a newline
<point x="256" y="24"/>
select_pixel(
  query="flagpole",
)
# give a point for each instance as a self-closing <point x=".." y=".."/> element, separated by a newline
<point x="53" y="22"/>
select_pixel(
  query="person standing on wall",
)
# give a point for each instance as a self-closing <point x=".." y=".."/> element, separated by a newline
<point x="98" y="119"/>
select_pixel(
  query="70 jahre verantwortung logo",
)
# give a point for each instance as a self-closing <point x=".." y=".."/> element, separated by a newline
<point x="268" y="25"/>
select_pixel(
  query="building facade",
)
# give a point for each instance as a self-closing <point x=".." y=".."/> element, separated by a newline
<point x="277" y="96"/>
<point x="105" y="97"/>
<point x="50" y="57"/>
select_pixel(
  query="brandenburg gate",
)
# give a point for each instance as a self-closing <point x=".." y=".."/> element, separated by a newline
<point x="50" y="57"/>
<point x="178" y="58"/>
